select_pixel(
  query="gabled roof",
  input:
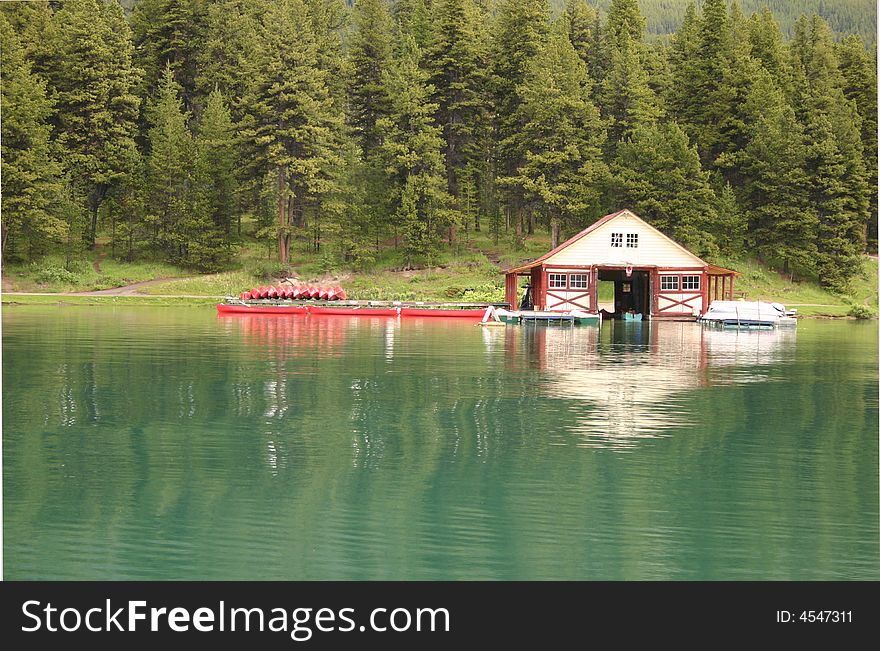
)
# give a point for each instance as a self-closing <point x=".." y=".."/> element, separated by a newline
<point x="589" y="229"/>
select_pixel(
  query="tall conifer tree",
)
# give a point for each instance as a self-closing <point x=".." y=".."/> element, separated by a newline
<point x="837" y="179"/>
<point x="291" y="119"/>
<point x="93" y="82"/>
<point x="561" y="135"/>
<point x="412" y="147"/>
<point x="457" y="63"/>
<point x="658" y="174"/>
<point x="370" y="55"/>
<point x="169" y="170"/>
<point x="30" y="172"/>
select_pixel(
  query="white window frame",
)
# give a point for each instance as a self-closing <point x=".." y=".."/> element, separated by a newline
<point x="579" y="281"/>
<point x="616" y="240"/>
<point x="554" y="278"/>
<point x="689" y="279"/>
<point x="632" y="240"/>
<point x="673" y="277"/>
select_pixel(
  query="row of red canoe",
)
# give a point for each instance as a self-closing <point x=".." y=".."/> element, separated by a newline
<point x="298" y="292"/>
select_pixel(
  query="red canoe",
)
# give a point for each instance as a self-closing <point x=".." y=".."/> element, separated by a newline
<point x="326" y="310"/>
<point x="437" y="312"/>
<point x="321" y="310"/>
<point x="224" y="308"/>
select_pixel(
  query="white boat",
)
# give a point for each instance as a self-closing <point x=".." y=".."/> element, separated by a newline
<point x="532" y="316"/>
<point x="748" y="314"/>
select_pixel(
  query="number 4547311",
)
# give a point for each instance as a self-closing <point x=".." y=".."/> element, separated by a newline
<point x="811" y="616"/>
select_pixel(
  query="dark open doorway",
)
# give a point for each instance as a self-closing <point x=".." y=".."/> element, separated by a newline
<point x="632" y="294"/>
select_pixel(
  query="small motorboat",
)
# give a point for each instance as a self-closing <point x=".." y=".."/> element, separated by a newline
<point x="748" y="314"/>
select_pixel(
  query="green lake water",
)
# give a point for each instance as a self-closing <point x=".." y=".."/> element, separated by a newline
<point x="161" y="443"/>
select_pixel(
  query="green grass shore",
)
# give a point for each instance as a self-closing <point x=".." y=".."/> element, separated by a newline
<point x="469" y="272"/>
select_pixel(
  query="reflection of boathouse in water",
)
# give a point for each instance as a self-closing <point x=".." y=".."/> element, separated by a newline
<point x="630" y="380"/>
<point x="653" y="276"/>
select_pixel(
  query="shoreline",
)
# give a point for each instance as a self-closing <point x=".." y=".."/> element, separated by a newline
<point x="190" y="300"/>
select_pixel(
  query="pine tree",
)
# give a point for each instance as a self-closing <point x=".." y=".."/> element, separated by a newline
<point x="216" y="181"/>
<point x="731" y="224"/>
<point x="30" y="172"/>
<point x="229" y="40"/>
<point x="838" y="187"/>
<point x="413" y="18"/>
<point x="169" y="171"/>
<point x="458" y="73"/>
<point x="412" y="147"/>
<point x="582" y="27"/>
<point x="520" y="29"/>
<point x="329" y="19"/>
<point x="370" y="56"/>
<point x="291" y="121"/>
<point x="93" y="81"/>
<point x="589" y="40"/>
<point x="658" y="174"/>
<point x="33" y="23"/>
<point x="683" y="63"/>
<point x="627" y="100"/>
<point x="561" y="134"/>
<point x="859" y="74"/>
<point x="782" y="224"/>
<point x="767" y="46"/>
<point x="519" y="32"/>
<point x="719" y="74"/>
<point x="625" y="18"/>
<point x="169" y="32"/>
<point x="838" y="192"/>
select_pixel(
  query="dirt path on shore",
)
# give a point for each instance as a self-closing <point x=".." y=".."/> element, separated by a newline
<point x="96" y="264"/>
<point x="126" y="290"/>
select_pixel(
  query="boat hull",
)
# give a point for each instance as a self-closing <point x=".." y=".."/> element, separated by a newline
<point x="533" y="316"/>
<point x="320" y="310"/>
<point x="448" y="314"/>
<point x="324" y="310"/>
<point x="290" y="310"/>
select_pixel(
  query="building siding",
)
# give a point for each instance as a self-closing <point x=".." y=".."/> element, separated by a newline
<point x="653" y="249"/>
<point x="563" y="300"/>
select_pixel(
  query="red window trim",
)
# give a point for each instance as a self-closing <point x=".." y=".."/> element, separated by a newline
<point x="550" y="284"/>
<point x="568" y="287"/>
<point x="681" y="289"/>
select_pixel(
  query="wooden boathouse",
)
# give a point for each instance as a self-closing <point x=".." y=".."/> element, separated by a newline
<point x="653" y="275"/>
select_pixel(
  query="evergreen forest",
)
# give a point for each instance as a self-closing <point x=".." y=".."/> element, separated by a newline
<point x="347" y="129"/>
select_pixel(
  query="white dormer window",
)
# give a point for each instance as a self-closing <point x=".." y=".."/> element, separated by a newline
<point x="632" y="240"/>
<point x="616" y="240"/>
